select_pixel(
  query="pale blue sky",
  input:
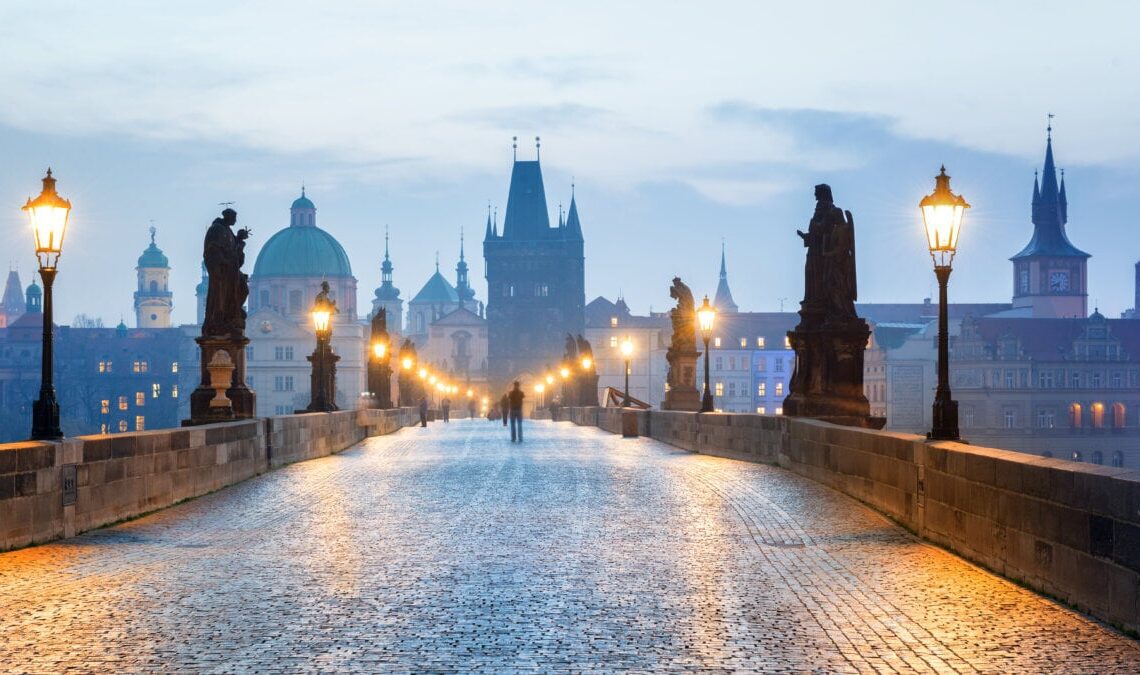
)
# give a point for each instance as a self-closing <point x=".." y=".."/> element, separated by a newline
<point x="681" y="123"/>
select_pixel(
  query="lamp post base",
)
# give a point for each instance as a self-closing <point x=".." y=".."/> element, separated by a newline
<point x="45" y="419"/>
<point x="945" y="427"/>
<point x="707" y="404"/>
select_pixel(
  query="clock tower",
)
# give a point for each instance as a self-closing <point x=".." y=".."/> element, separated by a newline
<point x="1049" y="274"/>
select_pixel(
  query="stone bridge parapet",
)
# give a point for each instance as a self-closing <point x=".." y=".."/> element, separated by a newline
<point x="1067" y="529"/>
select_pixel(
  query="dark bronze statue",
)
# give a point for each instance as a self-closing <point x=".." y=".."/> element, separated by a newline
<point x="570" y="355"/>
<point x="684" y="317"/>
<point x="224" y="254"/>
<point x="323" y="300"/>
<point x="584" y="350"/>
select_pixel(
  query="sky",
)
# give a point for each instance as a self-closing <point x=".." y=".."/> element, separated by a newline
<point x="680" y="124"/>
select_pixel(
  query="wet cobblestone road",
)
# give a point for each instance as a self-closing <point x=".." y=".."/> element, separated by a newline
<point x="450" y="550"/>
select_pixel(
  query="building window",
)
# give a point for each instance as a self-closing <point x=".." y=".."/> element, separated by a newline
<point x="296" y="301"/>
<point x="174" y="367"/>
<point x="1118" y="458"/>
<point x="787" y="342"/>
<point x="1045" y="379"/>
<point x="778" y="365"/>
<point x="779" y="411"/>
<point x="761" y="364"/>
<point x="140" y="398"/>
<point x="762" y="389"/>
<point x="1097" y="457"/>
<point x="105" y="406"/>
<point x="139" y="366"/>
<point x="1077" y="456"/>
<point x="541" y="290"/>
<point x="155" y="390"/>
<point x="613" y="342"/>
<point x="1009" y="379"/>
<point x="122" y="425"/>
<point x="732" y="363"/>
<point x="719" y="363"/>
<point x="720" y="388"/>
<point x="122" y="403"/>
<point x="732" y="388"/>
<point x="140" y="423"/>
<point x="613" y="322"/>
<point x="105" y="365"/>
<point x="174" y="391"/>
<point x="1117" y="380"/>
<point x="1076" y="379"/>
<point x="968" y="417"/>
<point x="1045" y="419"/>
<point x="1098" y="415"/>
<point x="760" y="410"/>
<point x="779" y="389"/>
<point x="1096" y="381"/>
<point x="283" y="353"/>
<point x="1075" y="416"/>
<point x="760" y="342"/>
<point x="249" y="353"/>
<point x="1119" y="420"/>
<point x="743" y="342"/>
<point x="716" y="342"/>
<point x="103" y="428"/>
<point x="1010" y="418"/>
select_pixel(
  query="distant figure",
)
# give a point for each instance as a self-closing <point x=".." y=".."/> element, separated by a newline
<point x="423" y="411"/>
<point x="515" y="398"/>
<point x="471" y="408"/>
<point x="445" y="405"/>
<point x="505" y="407"/>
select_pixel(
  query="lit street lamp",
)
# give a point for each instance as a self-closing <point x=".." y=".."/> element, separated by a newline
<point x="48" y="214"/>
<point x="323" y="383"/>
<point x="627" y="352"/>
<point x="380" y="373"/>
<point x="706" y="316"/>
<point x="942" y="213"/>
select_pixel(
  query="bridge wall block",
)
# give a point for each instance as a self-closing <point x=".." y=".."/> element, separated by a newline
<point x="122" y="476"/>
<point x="1068" y="529"/>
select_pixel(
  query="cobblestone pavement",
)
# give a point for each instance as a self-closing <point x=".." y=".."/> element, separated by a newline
<point x="450" y="549"/>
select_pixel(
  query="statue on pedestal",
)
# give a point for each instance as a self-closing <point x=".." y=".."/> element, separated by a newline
<point x="827" y="380"/>
<point x="588" y="388"/>
<point x="223" y="325"/>
<point x="682" y="355"/>
<point x="379" y="367"/>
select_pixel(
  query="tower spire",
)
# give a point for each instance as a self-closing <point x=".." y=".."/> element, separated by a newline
<point x="460" y="243"/>
<point x="537" y="148"/>
<point x="385" y="241"/>
<point x="515" y="148"/>
<point x="723" y="300"/>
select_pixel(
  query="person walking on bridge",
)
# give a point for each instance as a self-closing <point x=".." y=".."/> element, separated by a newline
<point x="423" y="411"/>
<point x="515" y="398"/>
<point x="505" y="407"/>
<point x="446" y="406"/>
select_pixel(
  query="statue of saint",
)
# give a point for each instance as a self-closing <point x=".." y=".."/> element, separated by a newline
<point x="570" y="356"/>
<point x="224" y="254"/>
<point x="324" y="301"/>
<point x="823" y="222"/>
<point x="585" y="351"/>
<point x="841" y="285"/>
<point x="684" y="317"/>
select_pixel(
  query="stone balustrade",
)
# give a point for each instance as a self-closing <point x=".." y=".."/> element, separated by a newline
<point x="1067" y="529"/>
<point x="58" y="489"/>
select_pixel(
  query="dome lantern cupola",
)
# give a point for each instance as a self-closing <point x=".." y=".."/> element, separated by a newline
<point x="303" y="213"/>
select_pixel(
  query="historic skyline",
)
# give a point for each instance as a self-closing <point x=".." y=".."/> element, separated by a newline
<point x="666" y="138"/>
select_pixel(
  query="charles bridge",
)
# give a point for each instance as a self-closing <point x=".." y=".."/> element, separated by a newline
<point x="710" y="542"/>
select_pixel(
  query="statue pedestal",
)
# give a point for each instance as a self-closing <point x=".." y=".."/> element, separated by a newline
<point x="588" y="391"/>
<point x="683" y="393"/>
<point x="827" y="383"/>
<point x="243" y="400"/>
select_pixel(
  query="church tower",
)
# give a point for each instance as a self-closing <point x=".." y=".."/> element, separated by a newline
<point x="1049" y="274"/>
<point x="723" y="300"/>
<point x="388" y="296"/>
<point x="12" y="303"/>
<point x="462" y="287"/>
<point x="153" y="299"/>
<point x="535" y="280"/>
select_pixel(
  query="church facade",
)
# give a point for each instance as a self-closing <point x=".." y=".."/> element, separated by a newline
<point x="535" y="281"/>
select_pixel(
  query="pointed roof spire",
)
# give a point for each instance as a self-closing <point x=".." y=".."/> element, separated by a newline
<point x="495" y="226"/>
<point x="573" y="229"/>
<point x="490" y="233"/>
<point x="1063" y="201"/>
<point x="515" y="148"/>
<point x="1050" y="212"/>
<point x="460" y="243"/>
<point x="437" y="261"/>
<point x="386" y="241"/>
<point x="561" y="222"/>
<point x="723" y="300"/>
<point x="537" y="149"/>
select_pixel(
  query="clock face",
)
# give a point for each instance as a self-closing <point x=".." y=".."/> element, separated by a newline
<point x="1058" y="281"/>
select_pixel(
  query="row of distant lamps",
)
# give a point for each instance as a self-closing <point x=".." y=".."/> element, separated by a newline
<point x="942" y="215"/>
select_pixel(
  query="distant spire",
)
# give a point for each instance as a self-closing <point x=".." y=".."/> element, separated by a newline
<point x="302" y="188"/>
<point x="152" y="231"/>
<point x="573" y="230"/>
<point x="490" y="234"/>
<point x="723" y="300"/>
<point x="537" y="148"/>
<point x="1063" y="201"/>
<point x="495" y="227"/>
<point x="385" y="241"/>
<point x="1049" y="128"/>
<point x="560" y="221"/>
<point x="514" y="148"/>
<point x="437" y="261"/>
<point x="460" y="243"/>
<point x="723" y="268"/>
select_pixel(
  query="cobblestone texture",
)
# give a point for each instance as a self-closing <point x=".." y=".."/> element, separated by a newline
<point x="450" y="549"/>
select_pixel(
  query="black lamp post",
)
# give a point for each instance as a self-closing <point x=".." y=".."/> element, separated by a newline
<point x="706" y="315"/>
<point x="323" y="383"/>
<point x="380" y="373"/>
<point x="942" y="213"/>
<point x="627" y="352"/>
<point x="48" y="213"/>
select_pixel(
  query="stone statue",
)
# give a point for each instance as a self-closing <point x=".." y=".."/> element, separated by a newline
<point x="324" y="301"/>
<point x="570" y="356"/>
<point x="816" y="239"/>
<point x="380" y="324"/>
<point x="584" y="349"/>
<point x="684" y="317"/>
<point x="840" y="269"/>
<point x="224" y="254"/>
<point x="682" y="353"/>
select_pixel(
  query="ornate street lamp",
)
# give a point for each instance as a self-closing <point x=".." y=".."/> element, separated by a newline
<point x="48" y="214"/>
<point x="942" y="213"/>
<point x="706" y="316"/>
<point x="323" y="380"/>
<point x="380" y="374"/>
<point x="627" y="353"/>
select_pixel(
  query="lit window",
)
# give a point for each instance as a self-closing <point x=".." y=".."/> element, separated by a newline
<point x="122" y="403"/>
<point x="140" y="423"/>
<point x="787" y="342"/>
<point x="103" y="428"/>
<point x="762" y="389"/>
<point x="140" y="398"/>
<point x="613" y="342"/>
<point x="720" y="388"/>
<point x="139" y="366"/>
<point x="1098" y="415"/>
<point x="122" y="425"/>
<point x="760" y="342"/>
<point x="761" y="410"/>
<point x="174" y="367"/>
<point x="613" y="321"/>
<point x="743" y="342"/>
<point x="105" y="365"/>
<point x="779" y="411"/>
<point x="155" y="390"/>
<point x="716" y="342"/>
<point x="105" y="406"/>
<point x="779" y="389"/>
<point x="174" y="391"/>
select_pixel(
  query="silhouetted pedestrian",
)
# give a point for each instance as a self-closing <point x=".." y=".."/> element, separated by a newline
<point x="515" y="398"/>
<point x="471" y="408"/>
<point x="445" y="406"/>
<point x="505" y="408"/>
<point x="423" y="411"/>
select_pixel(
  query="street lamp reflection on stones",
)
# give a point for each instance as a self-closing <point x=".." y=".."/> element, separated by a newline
<point x="942" y="213"/>
<point x="48" y="214"/>
<point x="627" y="353"/>
<point x="706" y="316"/>
<point x="323" y="381"/>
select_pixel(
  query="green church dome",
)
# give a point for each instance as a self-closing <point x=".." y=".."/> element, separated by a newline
<point x="153" y="255"/>
<point x="305" y="251"/>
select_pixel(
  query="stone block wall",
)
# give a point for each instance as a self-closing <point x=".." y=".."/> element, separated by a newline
<point x="1068" y="529"/>
<point x="52" y="490"/>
